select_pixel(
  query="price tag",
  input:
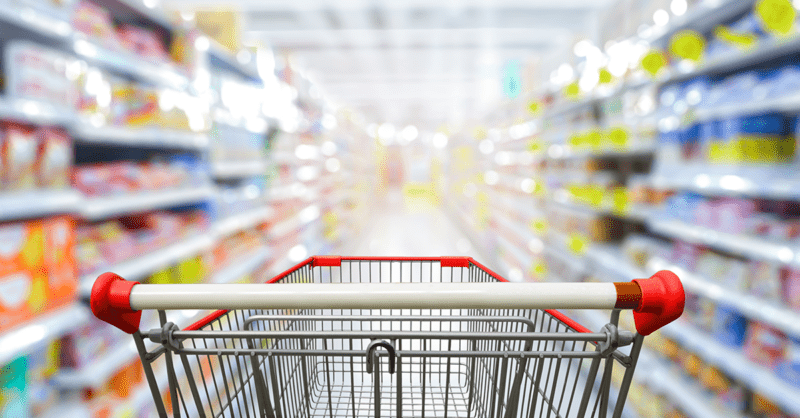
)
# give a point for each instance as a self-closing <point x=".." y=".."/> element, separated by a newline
<point x="687" y="44"/>
<point x="778" y="16"/>
<point x="605" y="76"/>
<point x="572" y="90"/>
<point x="534" y="107"/>
<point x="653" y="62"/>
<point x="539" y="226"/>
<point x="539" y="269"/>
<point x="577" y="243"/>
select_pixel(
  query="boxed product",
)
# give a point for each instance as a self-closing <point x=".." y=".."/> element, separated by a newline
<point x="765" y="280"/>
<point x="143" y="42"/>
<point x="729" y="326"/>
<point x="54" y="165"/>
<point x="789" y="365"/>
<point x="19" y="153"/>
<point x="790" y="287"/>
<point x="59" y="261"/>
<point x="728" y="394"/>
<point x="14" y="400"/>
<point x="84" y="346"/>
<point x="764" y="344"/>
<point x="23" y="282"/>
<point x="43" y="362"/>
<point x="96" y="23"/>
<point x="35" y="72"/>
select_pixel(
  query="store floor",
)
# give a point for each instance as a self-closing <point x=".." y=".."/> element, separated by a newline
<point x="401" y="226"/>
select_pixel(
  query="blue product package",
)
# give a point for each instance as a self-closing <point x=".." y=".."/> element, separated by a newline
<point x="789" y="367"/>
<point x="689" y="140"/>
<point x="768" y="124"/>
<point x="729" y="326"/>
<point x="696" y="91"/>
<point x="14" y="401"/>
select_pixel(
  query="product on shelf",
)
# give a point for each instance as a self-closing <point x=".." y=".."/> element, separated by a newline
<point x="54" y="165"/>
<point x="130" y="177"/>
<point x="20" y="148"/>
<point x="109" y="242"/>
<point x="96" y="23"/>
<point x="35" y="72"/>
<point x="764" y="344"/>
<point x="31" y="282"/>
<point x="142" y="42"/>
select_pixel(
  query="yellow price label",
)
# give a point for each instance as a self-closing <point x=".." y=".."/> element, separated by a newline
<point x="572" y="90"/>
<point x="605" y="76"/>
<point x="539" y="226"/>
<point x="535" y="146"/>
<point x="739" y="40"/>
<point x="539" y="269"/>
<point x="687" y="44"/>
<point x="778" y="16"/>
<point x="653" y="62"/>
<point x="618" y="137"/>
<point x="534" y="107"/>
<point x="577" y="243"/>
<point x="620" y="199"/>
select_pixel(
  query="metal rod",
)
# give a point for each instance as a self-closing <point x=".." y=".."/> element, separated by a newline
<point x="148" y="372"/>
<point x="388" y="335"/>
<point x="413" y="295"/>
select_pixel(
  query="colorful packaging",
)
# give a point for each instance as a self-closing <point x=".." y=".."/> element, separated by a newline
<point x="43" y="362"/>
<point x="729" y="326"/>
<point x="59" y="261"/>
<point x="764" y="344"/>
<point x="23" y="281"/>
<point x="790" y="287"/>
<point x="20" y="149"/>
<point x="143" y="42"/>
<point x="96" y="23"/>
<point x="14" y="400"/>
<point x="42" y="74"/>
<point x="765" y="280"/>
<point x="55" y="159"/>
<point x="789" y="365"/>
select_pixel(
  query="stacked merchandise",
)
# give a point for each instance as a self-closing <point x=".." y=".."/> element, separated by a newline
<point x="107" y="115"/>
<point x="682" y="162"/>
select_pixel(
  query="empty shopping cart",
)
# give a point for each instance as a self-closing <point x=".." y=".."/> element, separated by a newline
<point x="392" y="337"/>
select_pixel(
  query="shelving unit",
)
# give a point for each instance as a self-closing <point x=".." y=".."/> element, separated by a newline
<point x="105" y="207"/>
<point x="23" y="338"/>
<point x="37" y="203"/>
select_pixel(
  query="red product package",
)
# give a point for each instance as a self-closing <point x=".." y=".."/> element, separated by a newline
<point x="142" y="42"/>
<point x="790" y="286"/>
<point x="764" y="345"/>
<point x="55" y="158"/>
<point x="20" y="147"/>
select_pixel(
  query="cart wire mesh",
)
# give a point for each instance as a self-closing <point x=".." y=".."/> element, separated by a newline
<point x="387" y="362"/>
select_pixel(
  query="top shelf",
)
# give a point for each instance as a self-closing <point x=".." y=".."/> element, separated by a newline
<point x="702" y="18"/>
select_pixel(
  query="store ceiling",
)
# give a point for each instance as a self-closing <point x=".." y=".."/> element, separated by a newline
<point x="417" y="62"/>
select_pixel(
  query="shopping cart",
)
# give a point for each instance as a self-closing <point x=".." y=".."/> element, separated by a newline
<point x="404" y="337"/>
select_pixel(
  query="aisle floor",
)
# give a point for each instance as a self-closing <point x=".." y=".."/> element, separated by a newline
<point x="403" y="227"/>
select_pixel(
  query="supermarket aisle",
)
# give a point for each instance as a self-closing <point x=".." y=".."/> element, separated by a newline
<point x="404" y="227"/>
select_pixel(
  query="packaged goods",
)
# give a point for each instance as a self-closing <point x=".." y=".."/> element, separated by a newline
<point x="729" y="326"/>
<point x="23" y="281"/>
<point x="35" y="72"/>
<point x="20" y="149"/>
<point x="764" y="344"/>
<point x="55" y="159"/>
<point x="96" y="23"/>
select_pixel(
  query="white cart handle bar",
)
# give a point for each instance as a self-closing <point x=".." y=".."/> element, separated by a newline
<point x="656" y="301"/>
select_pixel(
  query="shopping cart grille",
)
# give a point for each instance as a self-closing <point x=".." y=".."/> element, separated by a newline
<point x="448" y="363"/>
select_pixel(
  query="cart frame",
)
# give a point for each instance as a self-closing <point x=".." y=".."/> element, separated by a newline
<point x="303" y="349"/>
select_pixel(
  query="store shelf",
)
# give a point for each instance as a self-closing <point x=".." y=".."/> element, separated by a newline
<point x="138" y="268"/>
<point x="243" y="221"/>
<point x="238" y="169"/>
<point x="789" y="104"/>
<point x="99" y="370"/>
<point x="94" y="208"/>
<point x="141" y="137"/>
<point x="33" y="111"/>
<point x="772" y="313"/>
<point x="17" y="341"/>
<point x="765" y="51"/>
<point x="36" y="22"/>
<point x="701" y="18"/>
<point x="225" y="59"/>
<point x="779" y="183"/>
<point x="38" y="203"/>
<point x="735" y="364"/>
<point x="162" y="74"/>
<point x="743" y="245"/>
<point x="242" y="266"/>
<point x="70" y="410"/>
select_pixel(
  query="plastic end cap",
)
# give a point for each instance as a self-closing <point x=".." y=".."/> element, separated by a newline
<point x="662" y="302"/>
<point x="110" y="302"/>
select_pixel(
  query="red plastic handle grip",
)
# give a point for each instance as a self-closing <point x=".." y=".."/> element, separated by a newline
<point x="662" y="302"/>
<point x="110" y="302"/>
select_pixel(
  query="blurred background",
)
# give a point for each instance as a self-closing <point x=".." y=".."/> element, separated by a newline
<point x="185" y="141"/>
